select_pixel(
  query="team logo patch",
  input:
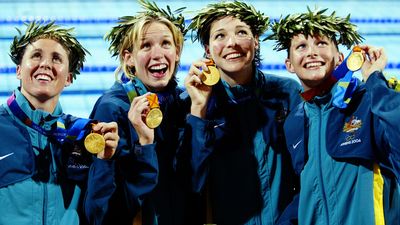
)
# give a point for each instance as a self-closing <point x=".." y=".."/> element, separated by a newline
<point x="353" y="125"/>
<point x="350" y="128"/>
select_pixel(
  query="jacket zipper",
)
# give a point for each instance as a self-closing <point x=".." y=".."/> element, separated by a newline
<point x="44" y="220"/>
<point x="322" y="135"/>
<point x="45" y="204"/>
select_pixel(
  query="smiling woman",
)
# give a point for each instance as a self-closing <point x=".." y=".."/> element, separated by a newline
<point x="154" y="56"/>
<point x="44" y="72"/>
<point x="341" y="138"/>
<point x="37" y="152"/>
<point x="238" y="155"/>
<point x="233" y="47"/>
<point x="378" y="21"/>
<point x="148" y="46"/>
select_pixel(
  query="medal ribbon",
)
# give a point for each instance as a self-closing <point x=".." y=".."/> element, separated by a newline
<point x="131" y="86"/>
<point x="346" y="85"/>
<point x="75" y="133"/>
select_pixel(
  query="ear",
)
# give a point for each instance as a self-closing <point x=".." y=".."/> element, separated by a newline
<point x="289" y="66"/>
<point x="68" y="80"/>
<point x="207" y="49"/>
<point x="19" y="76"/>
<point x="340" y="60"/>
<point x="128" y="58"/>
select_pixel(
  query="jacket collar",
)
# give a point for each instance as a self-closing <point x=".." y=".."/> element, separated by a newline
<point x="37" y="115"/>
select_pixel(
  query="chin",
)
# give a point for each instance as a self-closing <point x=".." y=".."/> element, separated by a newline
<point x="159" y="86"/>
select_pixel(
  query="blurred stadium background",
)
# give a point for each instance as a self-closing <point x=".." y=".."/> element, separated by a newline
<point x="378" y="22"/>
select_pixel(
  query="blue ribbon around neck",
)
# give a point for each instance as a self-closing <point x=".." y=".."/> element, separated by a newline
<point x="346" y="85"/>
<point x="135" y="87"/>
<point x="60" y="133"/>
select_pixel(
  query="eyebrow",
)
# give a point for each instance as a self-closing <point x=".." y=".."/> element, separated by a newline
<point x="57" y="53"/>
<point x="238" y="26"/>
<point x="53" y="52"/>
<point x="144" y="37"/>
<point x="37" y="50"/>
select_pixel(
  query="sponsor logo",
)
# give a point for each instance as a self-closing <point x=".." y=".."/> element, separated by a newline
<point x="5" y="156"/>
<point x="297" y="144"/>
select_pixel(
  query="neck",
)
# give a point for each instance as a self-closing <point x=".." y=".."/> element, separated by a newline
<point x="321" y="89"/>
<point x="45" y="104"/>
<point x="238" y="78"/>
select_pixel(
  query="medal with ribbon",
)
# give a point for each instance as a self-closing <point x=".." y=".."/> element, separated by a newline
<point x="154" y="116"/>
<point x="346" y="83"/>
<point x="75" y="131"/>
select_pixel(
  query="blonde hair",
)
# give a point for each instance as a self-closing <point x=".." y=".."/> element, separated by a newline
<point x="132" y="41"/>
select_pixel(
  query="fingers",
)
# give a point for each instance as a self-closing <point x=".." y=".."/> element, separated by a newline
<point x="109" y="131"/>
<point x="140" y="105"/>
<point x="198" y="66"/>
<point x="138" y="110"/>
<point x="376" y="60"/>
<point x="111" y="137"/>
<point x="105" y="127"/>
<point x="373" y="53"/>
<point x="192" y="80"/>
<point x="196" y="72"/>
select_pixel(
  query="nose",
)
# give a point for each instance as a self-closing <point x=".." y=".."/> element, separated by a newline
<point x="312" y="50"/>
<point x="45" y="63"/>
<point x="231" y="41"/>
<point x="157" y="52"/>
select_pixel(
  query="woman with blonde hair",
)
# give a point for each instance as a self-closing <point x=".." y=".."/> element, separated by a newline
<point x="145" y="103"/>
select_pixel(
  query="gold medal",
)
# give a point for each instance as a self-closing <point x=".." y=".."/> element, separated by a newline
<point x="355" y="60"/>
<point x="212" y="77"/>
<point x="95" y="143"/>
<point x="154" y="118"/>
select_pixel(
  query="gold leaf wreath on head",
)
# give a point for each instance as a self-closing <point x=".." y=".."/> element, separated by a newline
<point x="125" y="23"/>
<point x="313" y="23"/>
<point x="36" y="30"/>
<point x="201" y="23"/>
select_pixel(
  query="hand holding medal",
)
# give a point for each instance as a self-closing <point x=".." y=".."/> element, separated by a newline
<point x="103" y="140"/>
<point x="94" y="142"/>
<point x="375" y="60"/>
<point x="197" y="84"/>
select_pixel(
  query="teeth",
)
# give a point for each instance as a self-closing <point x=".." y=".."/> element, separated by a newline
<point x="43" y="77"/>
<point x="313" y="64"/>
<point x="158" y="67"/>
<point x="233" y="55"/>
